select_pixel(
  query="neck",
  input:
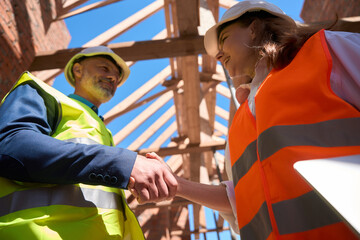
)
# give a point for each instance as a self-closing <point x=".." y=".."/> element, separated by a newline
<point x="88" y="98"/>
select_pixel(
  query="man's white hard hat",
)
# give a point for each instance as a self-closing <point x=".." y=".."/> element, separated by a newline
<point x="95" y="51"/>
<point x="211" y="37"/>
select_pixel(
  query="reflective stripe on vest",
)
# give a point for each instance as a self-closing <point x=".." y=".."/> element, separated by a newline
<point x="71" y="195"/>
<point x="332" y="133"/>
<point x="50" y="211"/>
<point x="298" y="117"/>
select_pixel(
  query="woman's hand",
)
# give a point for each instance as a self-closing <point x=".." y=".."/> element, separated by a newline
<point x="131" y="185"/>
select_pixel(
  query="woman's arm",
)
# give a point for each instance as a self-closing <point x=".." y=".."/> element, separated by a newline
<point x="211" y="196"/>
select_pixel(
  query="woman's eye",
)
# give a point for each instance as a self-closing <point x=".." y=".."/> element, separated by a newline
<point x="221" y="42"/>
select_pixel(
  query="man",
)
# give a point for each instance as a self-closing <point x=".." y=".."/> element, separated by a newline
<point x="60" y="175"/>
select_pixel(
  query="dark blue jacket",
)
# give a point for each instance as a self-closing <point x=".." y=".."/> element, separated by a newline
<point x="28" y="153"/>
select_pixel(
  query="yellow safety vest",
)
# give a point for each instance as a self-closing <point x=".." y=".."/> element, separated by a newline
<point x="49" y="211"/>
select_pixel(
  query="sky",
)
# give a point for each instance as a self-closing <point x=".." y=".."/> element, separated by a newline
<point x="86" y="26"/>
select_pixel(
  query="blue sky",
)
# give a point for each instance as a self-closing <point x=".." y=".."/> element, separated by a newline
<point x="86" y="26"/>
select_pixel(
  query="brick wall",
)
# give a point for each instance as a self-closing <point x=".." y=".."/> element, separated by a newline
<point x="321" y="10"/>
<point x="27" y="27"/>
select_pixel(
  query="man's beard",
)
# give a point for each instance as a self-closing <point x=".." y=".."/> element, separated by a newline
<point x="105" y="92"/>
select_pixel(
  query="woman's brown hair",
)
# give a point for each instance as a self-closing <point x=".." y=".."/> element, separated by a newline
<point x="276" y="38"/>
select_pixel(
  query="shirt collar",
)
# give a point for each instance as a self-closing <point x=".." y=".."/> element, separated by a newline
<point x="86" y="102"/>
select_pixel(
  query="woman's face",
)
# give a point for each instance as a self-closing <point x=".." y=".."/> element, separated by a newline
<point x="235" y="52"/>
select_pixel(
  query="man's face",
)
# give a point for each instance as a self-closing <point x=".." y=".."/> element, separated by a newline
<point x="96" y="79"/>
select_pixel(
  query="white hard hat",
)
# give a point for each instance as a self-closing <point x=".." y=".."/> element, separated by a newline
<point x="211" y="37"/>
<point x="95" y="51"/>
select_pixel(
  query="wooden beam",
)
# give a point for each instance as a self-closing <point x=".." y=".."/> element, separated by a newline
<point x="186" y="148"/>
<point x="221" y="128"/>
<point x="188" y="17"/>
<point x="227" y="3"/>
<point x="87" y="8"/>
<point x="188" y="20"/>
<point x="131" y="126"/>
<point x="129" y="51"/>
<point x="164" y="136"/>
<point x="126" y="24"/>
<point x="222" y="113"/>
<point x="70" y="4"/>
<point x="151" y="131"/>
<point x="347" y="24"/>
<point x="135" y="96"/>
<point x="223" y="91"/>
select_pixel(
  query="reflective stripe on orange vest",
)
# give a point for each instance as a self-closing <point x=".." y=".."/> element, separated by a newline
<point x="298" y="117"/>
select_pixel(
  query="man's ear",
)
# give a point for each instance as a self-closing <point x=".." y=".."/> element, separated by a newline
<point x="77" y="71"/>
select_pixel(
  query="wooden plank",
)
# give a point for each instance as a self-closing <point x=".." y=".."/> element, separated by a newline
<point x="187" y="12"/>
<point x="188" y="17"/>
<point x="222" y="113"/>
<point x="223" y="91"/>
<point x="126" y="24"/>
<point x="165" y="135"/>
<point x="48" y="75"/>
<point x="87" y="8"/>
<point x="144" y="101"/>
<point x="186" y="148"/>
<point x="221" y="128"/>
<point x="192" y="97"/>
<point x="129" y="51"/>
<point x="151" y="131"/>
<point x="131" y="126"/>
<point x="70" y="4"/>
<point x="135" y="96"/>
<point x="227" y="3"/>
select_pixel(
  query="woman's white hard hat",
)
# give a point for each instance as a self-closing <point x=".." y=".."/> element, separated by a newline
<point x="95" y="51"/>
<point x="211" y="37"/>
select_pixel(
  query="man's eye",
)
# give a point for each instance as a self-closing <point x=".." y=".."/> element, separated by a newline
<point x="104" y="68"/>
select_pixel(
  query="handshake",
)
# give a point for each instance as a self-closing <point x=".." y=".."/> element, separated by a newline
<point x="152" y="180"/>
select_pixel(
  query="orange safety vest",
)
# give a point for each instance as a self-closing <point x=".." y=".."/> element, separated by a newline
<point x="298" y="117"/>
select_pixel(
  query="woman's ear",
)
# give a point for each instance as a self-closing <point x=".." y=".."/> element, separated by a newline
<point x="77" y="71"/>
<point x="254" y="26"/>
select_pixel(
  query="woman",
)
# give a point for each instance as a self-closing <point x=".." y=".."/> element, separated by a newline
<point x="300" y="99"/>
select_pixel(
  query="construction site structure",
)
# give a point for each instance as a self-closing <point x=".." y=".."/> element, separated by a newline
<point x="34" y="37"/>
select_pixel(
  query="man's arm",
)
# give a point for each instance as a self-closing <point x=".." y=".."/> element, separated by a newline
<point x="28" y="153"/>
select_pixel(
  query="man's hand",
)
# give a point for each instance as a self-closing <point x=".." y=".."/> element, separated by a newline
<point x="152" y="180"/>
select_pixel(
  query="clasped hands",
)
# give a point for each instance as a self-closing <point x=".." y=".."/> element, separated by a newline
<point x="152" y="180"/>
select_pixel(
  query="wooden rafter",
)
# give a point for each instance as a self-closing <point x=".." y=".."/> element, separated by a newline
<point x="186" y="148"/>
<point x="136" y="122"/>
<point x="166" y="134"/>
<point x="135" y="96"/>
<point x="222" y="113"/>
<point x="151" y="131"/>
<point x="129" y="51"/>
<point x="87" y="8"/>
<point x="126" y="24"/>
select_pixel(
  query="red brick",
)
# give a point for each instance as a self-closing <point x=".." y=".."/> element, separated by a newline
<point x="24" y="30"/>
